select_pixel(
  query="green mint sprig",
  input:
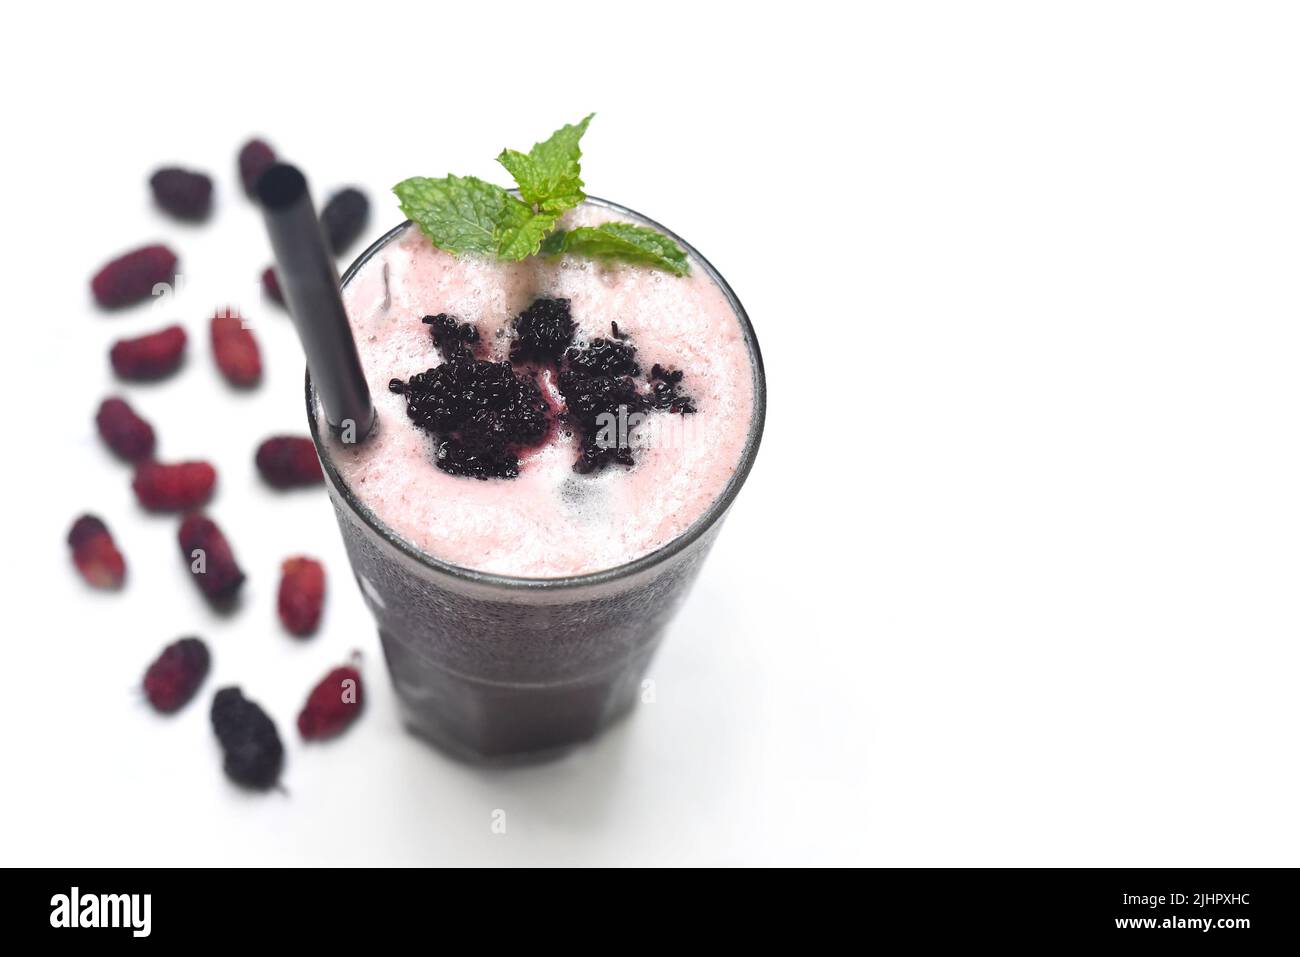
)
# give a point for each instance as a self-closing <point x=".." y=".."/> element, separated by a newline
<point x="549" y="175"/>
<point x="465" y="214"/>
<point x="638" y="244"/>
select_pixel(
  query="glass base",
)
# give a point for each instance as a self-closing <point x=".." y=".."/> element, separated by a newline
<point x="490" y="722"/>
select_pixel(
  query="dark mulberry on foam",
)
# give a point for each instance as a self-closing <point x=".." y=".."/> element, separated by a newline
<point x="609" y="357"/>
<point x="482" y="413"/>
<point x="667" y="391"/>
<point x="589" y="399"/>
<point x="451" y="336"/>
<point x="542" y="331"/>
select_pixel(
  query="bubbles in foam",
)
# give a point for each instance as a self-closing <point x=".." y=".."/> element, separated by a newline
<point x="584" y="498"/>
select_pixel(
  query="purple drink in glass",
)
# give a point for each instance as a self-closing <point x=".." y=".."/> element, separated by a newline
<point x="518" y="616"/>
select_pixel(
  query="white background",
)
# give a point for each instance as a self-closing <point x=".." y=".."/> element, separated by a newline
<point x="1014" y="580"/>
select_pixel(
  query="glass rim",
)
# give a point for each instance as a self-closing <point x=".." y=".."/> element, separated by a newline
<point x="717" y="508"/>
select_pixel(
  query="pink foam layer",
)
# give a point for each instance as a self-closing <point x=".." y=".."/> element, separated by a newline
<point x="549" y="522"/>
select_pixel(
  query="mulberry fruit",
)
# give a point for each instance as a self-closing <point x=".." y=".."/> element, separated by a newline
<point x="598" y="404"/>
<point x="149" y="357"/>
<point x="183" y="193"/>
<point x="173" y="488"/>
<point x="255" y="158"/>
<point x="610" y="357"/>
<point x="210" y="560"/>
<point x="332" y="705"/>
<point x="542" y="331"/>
<point x="302" y="593"/>
<point x="94" y="554"/>
<point x="344" y="217"/>
<point x="128" y="435"/>
<point x="174" y="676"/>
<point x="288" y="461"/>
<point x="668" y="394"/>
<point x="131" y="278"/>
<point x="451" y="337"/>
<point x="482" y="413"/>
<point x="254" y="755"/>
<point x="236" y="350"/>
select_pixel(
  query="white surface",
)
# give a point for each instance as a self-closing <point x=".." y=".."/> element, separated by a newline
<point x="1018" y="587"/>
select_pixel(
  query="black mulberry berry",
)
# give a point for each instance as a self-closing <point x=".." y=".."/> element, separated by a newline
<point x="255" y="158"/>
<point x="590" y="396"/>
<point x="604" y="357"/>
<point x="542" y="331"/>
<point x="482" y="413"/>
<point x="667" y="390"/>
<point x="451" y="337"/>
<point x="477" y="460"/>
<point x="599" y="407"/>
<point x="254" y="754"/>
<point x="184" y="194"/>
<point x="344" y="217"/>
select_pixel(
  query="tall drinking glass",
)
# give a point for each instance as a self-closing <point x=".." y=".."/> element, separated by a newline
<point x="494" y="668"/>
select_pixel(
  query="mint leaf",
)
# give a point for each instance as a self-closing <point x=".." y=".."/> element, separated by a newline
<point x="458" y="213"/>
<point x="462" y="214"/>
<point x="553" y="245"/>
<point x="638" y="244"/>
<point x="549" y="175"/>
<point x="520" y="230"/>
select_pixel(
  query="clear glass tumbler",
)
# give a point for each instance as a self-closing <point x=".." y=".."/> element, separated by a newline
<point x="493" y="668"/>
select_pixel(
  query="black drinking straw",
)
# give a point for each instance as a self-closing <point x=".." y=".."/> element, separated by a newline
<point x="310" y="283"/>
